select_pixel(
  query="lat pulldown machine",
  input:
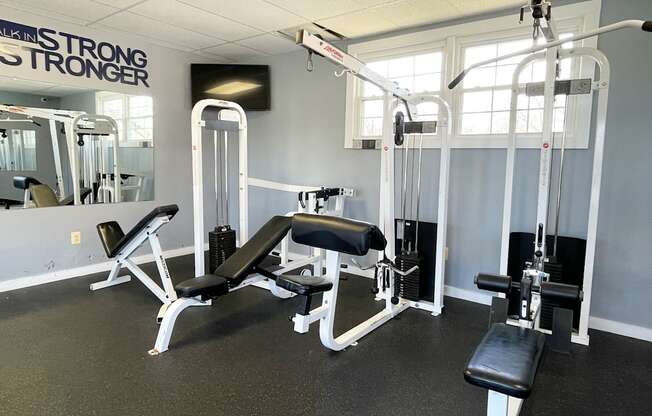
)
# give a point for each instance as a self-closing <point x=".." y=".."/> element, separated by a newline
<point x="507" y="359"/>
<point x="305" y="229"/>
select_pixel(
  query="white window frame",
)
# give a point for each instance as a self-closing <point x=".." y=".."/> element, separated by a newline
<point x="101" y="96"/>
<point x="581" y="17"/>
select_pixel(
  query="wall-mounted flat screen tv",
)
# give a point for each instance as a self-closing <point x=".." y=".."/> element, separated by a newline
<point x="247" y="85"/>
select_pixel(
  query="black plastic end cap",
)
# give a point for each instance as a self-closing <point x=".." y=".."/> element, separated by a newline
<point x="457" y="80"/>
<point x="647" y="26"/>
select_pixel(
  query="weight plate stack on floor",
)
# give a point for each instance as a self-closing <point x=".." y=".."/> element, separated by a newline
<point x="221" y="245"/>
<point x="408" y="286"/>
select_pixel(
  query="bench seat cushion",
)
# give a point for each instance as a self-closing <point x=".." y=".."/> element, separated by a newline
<point x="304" y="285"/>
<point x="208" y="287"/>
<point x="506" y="361"/>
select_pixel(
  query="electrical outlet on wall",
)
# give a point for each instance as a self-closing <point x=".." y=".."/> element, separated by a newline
<point x="75" y="238"/>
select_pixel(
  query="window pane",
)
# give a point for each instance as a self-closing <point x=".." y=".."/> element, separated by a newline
<point x="427" y="83"/>
<point x="481" y="77"/>
<point x="523" y="102"/>
<point x="379" y="66"/>
<point x="480" y="53"/>
<point x="429" y="63"/>
<point x="539" y="71"/>
<point x="372" y="127"/>
<point x="559" y="119"/>
<point x="477" y="123"/>
<point x="370" y="90"/>
<point x="513" y="46"/>
<point x="502" y="99"/>
<point x="504" y="74"/>
<point x="535" y="121"/>
<point x="475" y="102"/>
<point x="537" y="102"/>
<point x="405" y="82"/>
<point x="521" y="121"/>
<point x="113" y="108"/>
<point x="500" y="122"/>
<point x="401" y="67"/>
<point x="139" y="129"/>
<point x="372" y="108"/>
<point x="140" y="106"/>
<point x="427" y="109"/>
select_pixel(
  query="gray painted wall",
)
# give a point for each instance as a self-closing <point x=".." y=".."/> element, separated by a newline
<point x="301" y="140"/>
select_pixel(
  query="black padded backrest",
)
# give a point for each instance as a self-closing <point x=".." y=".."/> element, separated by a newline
<point x="70" y="199"/>
<point x="240" y="264"/>
<point x="43" y="196"/>
<point x="337" y="234"/>
<point x="23" y="182"/>
<point x="110" y="231"/>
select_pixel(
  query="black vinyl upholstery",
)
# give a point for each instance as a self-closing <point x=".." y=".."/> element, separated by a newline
<point x="337" y="234"/>
<point x="304" y="285"/>
<point x="114" y="239"/>
<point x="70" y="199"/>
<point x="506" y="361"/>
<point x="23" y="182"/>
<point x="240" y="264"/>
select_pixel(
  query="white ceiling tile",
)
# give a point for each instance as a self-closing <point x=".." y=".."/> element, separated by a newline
<point x="233" y="52"/>
<point x="152" y="29"/>
<point x="469" y="7"/>
<point x="256" y="13"/>
<point x="192" y="18"/>
<point x="270" y="44"/>
<point x="361" y="23"/>
<point x="120" y="4"/>
<point x="321" y="9"/>
<point x="419" y="12"/>
<point x="81" y="11"/>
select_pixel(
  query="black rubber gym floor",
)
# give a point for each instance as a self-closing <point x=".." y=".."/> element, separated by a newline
<point x="67" y="351"/>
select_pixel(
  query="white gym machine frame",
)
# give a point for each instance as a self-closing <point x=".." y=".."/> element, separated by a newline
<point x="165" y="293"/>
<point x="326" y="312"/>
<point x="499" y="404"/>
<point x="74" y="122"/>
<point x="244" y="182"/>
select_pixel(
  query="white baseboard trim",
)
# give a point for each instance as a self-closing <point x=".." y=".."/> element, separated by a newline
<point x="620" y="328"/>
<point x="55" y="276"/>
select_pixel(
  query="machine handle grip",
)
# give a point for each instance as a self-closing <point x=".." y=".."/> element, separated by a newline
<point x="647" y="26"/>
<point x="457" y="80"/>
<point x="493" y="282"/>
<point x="560" y="291"/>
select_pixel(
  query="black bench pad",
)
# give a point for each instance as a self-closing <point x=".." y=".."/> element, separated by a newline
<point x="506" y="361"/>
<point x="208" y="287"/>
<point x="113" y="238"/>
<point x="337" y="234"/>
<point x="304" y="285"/>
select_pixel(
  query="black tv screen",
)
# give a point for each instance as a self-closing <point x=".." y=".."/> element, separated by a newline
<point x="247" y="85"/>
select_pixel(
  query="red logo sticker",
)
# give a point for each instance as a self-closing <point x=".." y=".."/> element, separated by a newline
<point x="546" y="145"/>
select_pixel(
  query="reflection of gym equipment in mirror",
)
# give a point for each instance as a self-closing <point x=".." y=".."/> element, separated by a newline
<point x="92" y="146"/>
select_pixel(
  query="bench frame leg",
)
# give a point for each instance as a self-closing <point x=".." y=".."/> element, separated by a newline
<point x="499" y="404"/>
<point x="169" y="318"/>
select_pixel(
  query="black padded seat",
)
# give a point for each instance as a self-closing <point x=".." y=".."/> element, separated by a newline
<point x="114" y="239"/>
<point x="43" y="196"/>
<point x="506" y="361"/>
<point x="304" y="285"/>
<point x="337" y="234"/>
<point x="208" y="287"/>
<point x="240" y="264"/>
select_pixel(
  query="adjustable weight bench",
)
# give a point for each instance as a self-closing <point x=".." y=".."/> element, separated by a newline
<point x="42" y="195"/>
<point x="121" y="246"/>
<point x="232" y="275"/>
<point x="506" y="363"/>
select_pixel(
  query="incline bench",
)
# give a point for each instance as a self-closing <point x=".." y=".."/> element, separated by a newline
<point x="230" y="276"/>
<point x="506" y="363"/>
<point x="42" y="195"/>
<point x="121" y="246"/>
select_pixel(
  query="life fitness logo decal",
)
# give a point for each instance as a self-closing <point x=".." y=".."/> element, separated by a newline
<point x="70" y="54"/>
<point x="334" y="52"/>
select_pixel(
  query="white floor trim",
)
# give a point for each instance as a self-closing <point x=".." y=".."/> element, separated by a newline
<point x="55" y="276"/>
<point x="470" y="295"/>
<point x="621" y="328"/>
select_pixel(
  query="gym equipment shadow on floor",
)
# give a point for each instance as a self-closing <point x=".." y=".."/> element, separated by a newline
<point x="67" y="351"/>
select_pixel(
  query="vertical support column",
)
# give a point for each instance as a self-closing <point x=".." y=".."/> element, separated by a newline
<point x="73" y="157"/>
<point x="243" y="179"/>
<point x="386" y="214"/>
<point x="198" y="189"/>
<point x="545" y="162"/>
<point x="57" y="159"/>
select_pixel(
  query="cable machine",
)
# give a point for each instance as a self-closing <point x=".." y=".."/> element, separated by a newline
<point x="546" y="257"/>
<point x="398" y="130"/>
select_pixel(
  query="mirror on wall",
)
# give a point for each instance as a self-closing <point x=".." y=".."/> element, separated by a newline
<point x="62" y="145"/>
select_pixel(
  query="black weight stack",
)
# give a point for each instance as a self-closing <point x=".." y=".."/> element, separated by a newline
<point x="408" y="286"/>
<point x="221" y="245"/>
